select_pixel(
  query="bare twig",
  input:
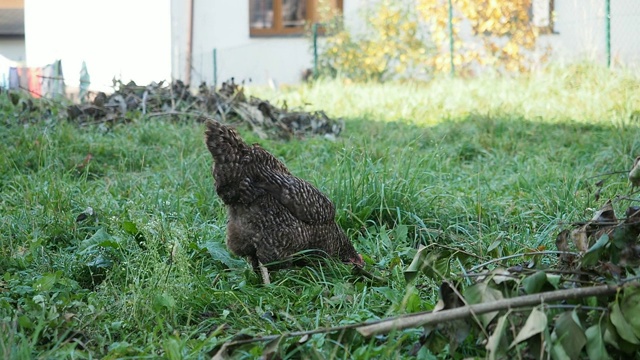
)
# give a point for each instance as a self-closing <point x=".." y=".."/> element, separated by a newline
<point x="514" y="272"/>
<point x="607" y="174"/>
<point x="145" y="95"/>
<point x="547" y="252"/>
<point x="571" y="307"/>
<point x="454" y="249"/>
<point x="517" y="274"/>
<point x="426" y="318"/>
<point x="171" y="112"/>
<point x="422" y="319"/>
<point x="626" y="198"/>
<point x="627" y="280"/>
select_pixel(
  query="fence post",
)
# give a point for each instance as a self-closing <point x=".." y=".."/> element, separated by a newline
<point x="453" y="70"/>
<point x="314" y="29"/>
<point x="607" y="20"/>
<point x="215" y="68"/>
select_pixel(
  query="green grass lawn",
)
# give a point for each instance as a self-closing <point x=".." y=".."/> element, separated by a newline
<point x="491" y="163"/>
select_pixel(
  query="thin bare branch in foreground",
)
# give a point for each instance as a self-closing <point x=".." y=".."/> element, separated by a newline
<point x="426" y="318"/>
<point x="422" y="319"/>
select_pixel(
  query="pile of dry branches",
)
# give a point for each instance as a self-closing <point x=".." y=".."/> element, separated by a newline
<point x="228" y="104"/>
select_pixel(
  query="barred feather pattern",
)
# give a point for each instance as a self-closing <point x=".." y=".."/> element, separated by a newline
<point x="272" y="214"/>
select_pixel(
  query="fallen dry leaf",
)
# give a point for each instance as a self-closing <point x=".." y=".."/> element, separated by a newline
<point x="84" y="162"/>
<point x="605" y="214"/>
<point x="580" y="239"/>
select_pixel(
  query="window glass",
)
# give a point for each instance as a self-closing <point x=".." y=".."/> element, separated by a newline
<point x="294" y="12"/>
<point x="261" y="14"/>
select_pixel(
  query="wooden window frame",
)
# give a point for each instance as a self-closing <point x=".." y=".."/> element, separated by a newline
<point x="279" y="29"/>
<point x="549" y="29"/>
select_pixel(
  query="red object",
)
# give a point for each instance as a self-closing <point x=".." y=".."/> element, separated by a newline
<point x="35" y="81"/>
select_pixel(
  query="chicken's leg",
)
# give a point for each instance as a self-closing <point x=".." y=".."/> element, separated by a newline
<point x="260" y="269"/>
<point x="265" y="274"/>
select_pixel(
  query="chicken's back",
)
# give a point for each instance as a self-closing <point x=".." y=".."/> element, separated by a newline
<point x="224" y="143"/>
<point x="231" y="169"/>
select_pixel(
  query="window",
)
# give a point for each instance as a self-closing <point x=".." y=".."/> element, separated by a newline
<point x="283" y="17"/>
<point x="542" y="15"/>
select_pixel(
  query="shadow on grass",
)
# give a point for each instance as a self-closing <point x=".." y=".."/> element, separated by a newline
<point x="478" y="176"/>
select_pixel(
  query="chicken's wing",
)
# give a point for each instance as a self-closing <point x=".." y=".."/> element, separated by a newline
<point x="303" y="200"/>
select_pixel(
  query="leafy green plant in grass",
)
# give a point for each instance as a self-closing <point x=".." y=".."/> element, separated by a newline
<point x="601" y="253"/>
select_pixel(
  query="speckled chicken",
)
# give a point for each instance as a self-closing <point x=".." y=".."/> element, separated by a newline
<point x="272" y="214"/>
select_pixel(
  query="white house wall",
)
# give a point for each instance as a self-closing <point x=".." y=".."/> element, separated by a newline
<point x="179" y="34"/>
<point x="126" y="39"/>
<point x="257" y="61"/>
<point x="625" y="31"/>
<point x="355" y="13"/>
<point x="12" y="48"/>
<point x="580" y="31"/>
<point x="224" y="25"/>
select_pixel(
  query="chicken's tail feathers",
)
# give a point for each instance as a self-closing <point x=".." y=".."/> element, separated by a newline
<point x="222" y="141"/>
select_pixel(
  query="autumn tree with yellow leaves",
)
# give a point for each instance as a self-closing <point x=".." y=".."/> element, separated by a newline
<point x="391" y="47"/>
<point x="412" y="38"/>
<point x="503" y="35"/>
